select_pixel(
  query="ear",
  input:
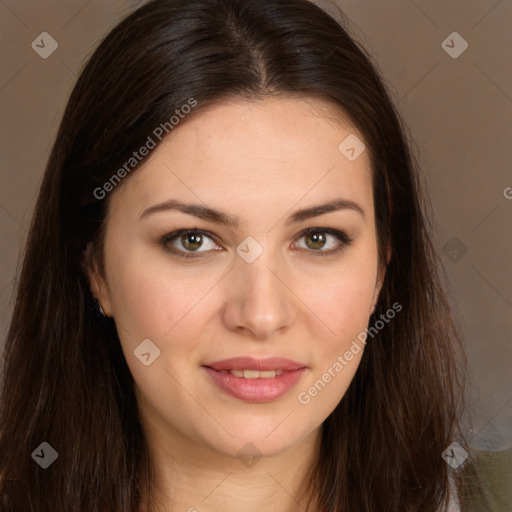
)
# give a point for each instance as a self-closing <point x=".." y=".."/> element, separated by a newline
<point x="380" y="281"/>
<point x="97" y="283"/>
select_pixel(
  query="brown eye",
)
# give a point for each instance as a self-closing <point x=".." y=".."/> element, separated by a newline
<point x="318" y="238"/>
<point x="186" y="242"/>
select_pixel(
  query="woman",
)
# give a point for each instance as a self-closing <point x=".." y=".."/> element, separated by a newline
<point x="231" y="190"/>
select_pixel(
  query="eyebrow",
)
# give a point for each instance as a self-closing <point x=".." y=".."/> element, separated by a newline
<point x="225" y="219"/>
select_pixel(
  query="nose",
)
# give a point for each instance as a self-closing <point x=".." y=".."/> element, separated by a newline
<point x="258" y="298"/>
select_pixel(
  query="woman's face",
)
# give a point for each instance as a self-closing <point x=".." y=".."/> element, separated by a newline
<point x="255" y="284"/>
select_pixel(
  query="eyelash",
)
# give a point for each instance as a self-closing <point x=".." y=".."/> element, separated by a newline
<point x="342" y="237"/>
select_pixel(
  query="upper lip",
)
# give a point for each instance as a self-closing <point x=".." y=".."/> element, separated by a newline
<point x="249" y="363"/>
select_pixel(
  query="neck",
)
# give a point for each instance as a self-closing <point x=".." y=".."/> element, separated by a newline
<point x="195" y="479"/>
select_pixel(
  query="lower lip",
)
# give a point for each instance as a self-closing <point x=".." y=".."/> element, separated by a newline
<point x="255" y="390"/>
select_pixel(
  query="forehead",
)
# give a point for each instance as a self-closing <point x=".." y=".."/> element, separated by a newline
<point x="251" y="155"/>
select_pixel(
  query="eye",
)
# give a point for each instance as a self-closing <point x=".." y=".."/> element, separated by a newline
<point x="316" y="240"/>
<point x="189" y="239"/>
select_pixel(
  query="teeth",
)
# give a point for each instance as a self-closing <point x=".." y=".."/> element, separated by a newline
<point x="255" y="374"/>
<point x="251" y="374"/>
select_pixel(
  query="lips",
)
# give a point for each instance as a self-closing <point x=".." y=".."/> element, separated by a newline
<point x="255" y="380"/>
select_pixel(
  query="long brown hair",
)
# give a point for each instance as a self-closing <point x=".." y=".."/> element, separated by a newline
<point x="65" y="380"/>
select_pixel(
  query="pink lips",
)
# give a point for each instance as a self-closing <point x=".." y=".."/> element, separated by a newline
<point x="248" y="363"/>
<point x="259" y="389"/>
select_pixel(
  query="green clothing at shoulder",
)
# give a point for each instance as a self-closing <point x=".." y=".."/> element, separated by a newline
<point x="489" y="479"/>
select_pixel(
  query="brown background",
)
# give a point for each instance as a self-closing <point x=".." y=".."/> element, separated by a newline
<point x="458" y="110"/>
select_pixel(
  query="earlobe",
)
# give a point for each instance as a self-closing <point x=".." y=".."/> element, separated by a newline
<point x="97" y="284"/>
<point x="89" y="267"/>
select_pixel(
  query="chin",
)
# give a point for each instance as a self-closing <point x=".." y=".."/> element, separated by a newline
<point x="255" y="441"/>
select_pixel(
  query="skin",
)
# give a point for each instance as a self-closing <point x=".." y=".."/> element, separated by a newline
<point x="259" y="161"/>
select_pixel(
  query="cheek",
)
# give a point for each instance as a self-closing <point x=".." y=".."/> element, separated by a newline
<point x="349" y="305"/>
<point x="342" y="300"/>
<point x="149" y="297"/>
<point x="150" y="303"/>
<point x="344" y="307"/>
